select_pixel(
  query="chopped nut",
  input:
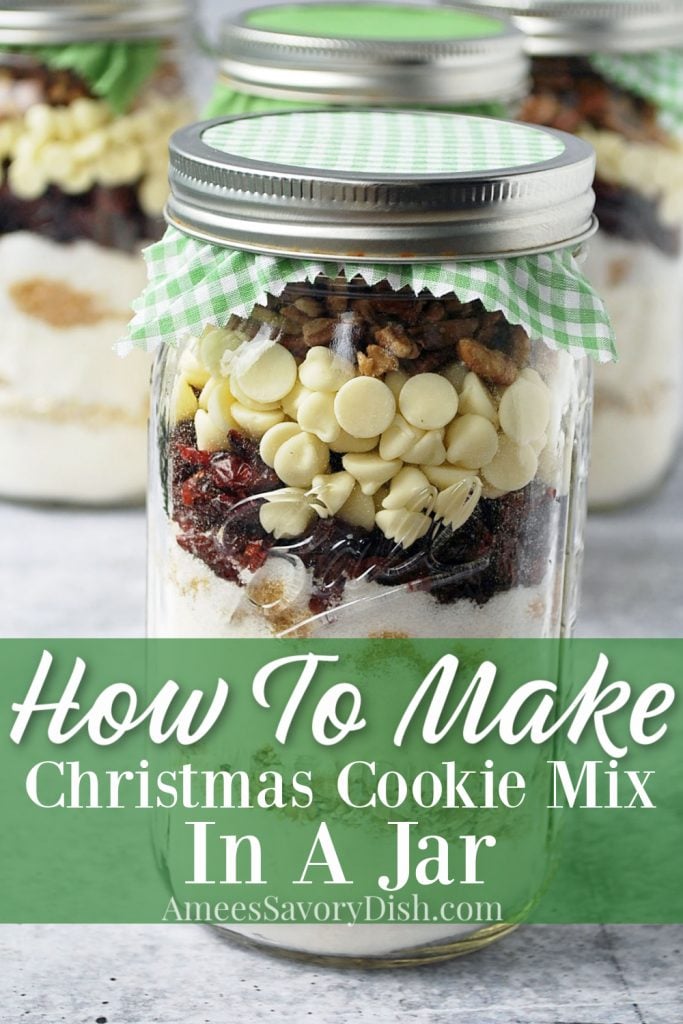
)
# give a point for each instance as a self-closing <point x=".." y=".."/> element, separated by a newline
<point x="311" y="307"/>
<point x="294" y="315"/>
<point x="295" y="343"/>
<point x="319" y="331"/>
<point x="520" y="346"/>
<point x="449" y="332"/>
<point x="463" y="310"/>
<point x="427" y="362"/>
<point x="434" y="312"/>
<point x="394" y="338"/>
<point x="366" y="309"/>
<point x="490" y="364"/>
<point x="494" y="330"/>
<point x="376" y="362"/>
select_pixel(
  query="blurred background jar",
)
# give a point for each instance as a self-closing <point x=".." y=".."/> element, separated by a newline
<point x="286" y="56"/>
<point x="613" y="74"/>
<point x="89" y="96"/>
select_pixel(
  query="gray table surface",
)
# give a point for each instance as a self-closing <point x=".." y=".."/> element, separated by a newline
<point x="94" y="561"/>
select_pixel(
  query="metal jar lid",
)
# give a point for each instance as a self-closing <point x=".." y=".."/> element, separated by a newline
<point x="43" y="22"/>
<point x="579" y="27"/>
<point x="321" y="52"/>
<point x="381" y="185"/>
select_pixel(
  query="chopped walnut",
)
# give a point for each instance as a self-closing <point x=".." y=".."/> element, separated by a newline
<point x="448" y="332"/>
<point x="520" y="346"/>
<point x="376" y="361"/>
<point x="394" y="338"/>
<point x="434" y="312"/>
<point x="489" y="364"/>
<point x="310" y="307"/>
<point x="319" y="331"/>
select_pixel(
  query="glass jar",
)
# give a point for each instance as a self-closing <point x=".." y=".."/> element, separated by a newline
<point x="287" y="56"/>
<point x="375" y="445"/>
<point x="87" y="105"/>
<point x="609" y="73"/>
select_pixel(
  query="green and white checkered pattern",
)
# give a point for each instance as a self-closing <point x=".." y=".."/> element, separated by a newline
<point x="193" y="284"/>
<point x="657" y="77"/>
<point x="387" y="143"/>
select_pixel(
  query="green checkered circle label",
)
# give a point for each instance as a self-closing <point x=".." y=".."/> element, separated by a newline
<point x="400" y="143"/>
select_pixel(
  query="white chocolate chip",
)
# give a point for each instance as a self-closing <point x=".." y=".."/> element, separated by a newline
<point x="395" y="380"/>
<point x="471" y="441"/>
<point x="514" y="466"/>
<point x="194" y="373"/>
<point x="219" y="406"/>
<point x="364" y="406"/>
<point x="77" y="181"/>
<point x="359" y="510"/>
<point x="345" y="443"/>
<point x="402" y="525"/>
<point x="273" y="440"/>
<point x="398" y="438"/>
<point x="316" y="414"/>
<point x="456" y="504"/>
<point x="120" y="165"/>
<point x="533" y="376"/>
<point x="539" y="444"/>
<point x="322" y="370"/>
<point x="40" y="121"/>
<point x="184" y="401"/>
<point x="445" y="476"/>
<point x="26" y="180"/>
<point x="210" y="436"/>
<point x="271" y="376"/>
<point x="370" y="470"/>
<point x="456" y="374"/>
<point x="428" y="451"/>
<point x="412" y="490"/>
<point x="475" y="398"/>
<point x="286" y="513"/>
<point x="212" y="344"/>
<point x="300" y="459"/>
<point x="524" y="411"/>
<point x="491" y="493"/>
<point x="153" y="194"/>
<point x="428" y="401"/>
<point x="249" y="403"/>
<point x="330" y="492"/>
<point x="291" y="402"/>
<point x="88" y="115"/>
<point x="255" y="422"/>
<point x="205" y="395"/>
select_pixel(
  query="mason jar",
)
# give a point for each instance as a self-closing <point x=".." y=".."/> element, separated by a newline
<point x="613" y="74"/>
<point x="88" y="100"/>
<point x="355" y="432"/>
<point x="286" y="56"/>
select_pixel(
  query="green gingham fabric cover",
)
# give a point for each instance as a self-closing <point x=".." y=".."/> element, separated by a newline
<point x="394" y="142"/>
<point x="115" y="71"/>
<point x="229" y="102"/>
<point x="193" y="284"/>
<point x="657" y="77"/>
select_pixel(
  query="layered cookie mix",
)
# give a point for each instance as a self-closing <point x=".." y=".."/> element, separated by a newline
<point x="635" y="263"/>
<point x="348" y="460"/>
<point x="83" y="182"/>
